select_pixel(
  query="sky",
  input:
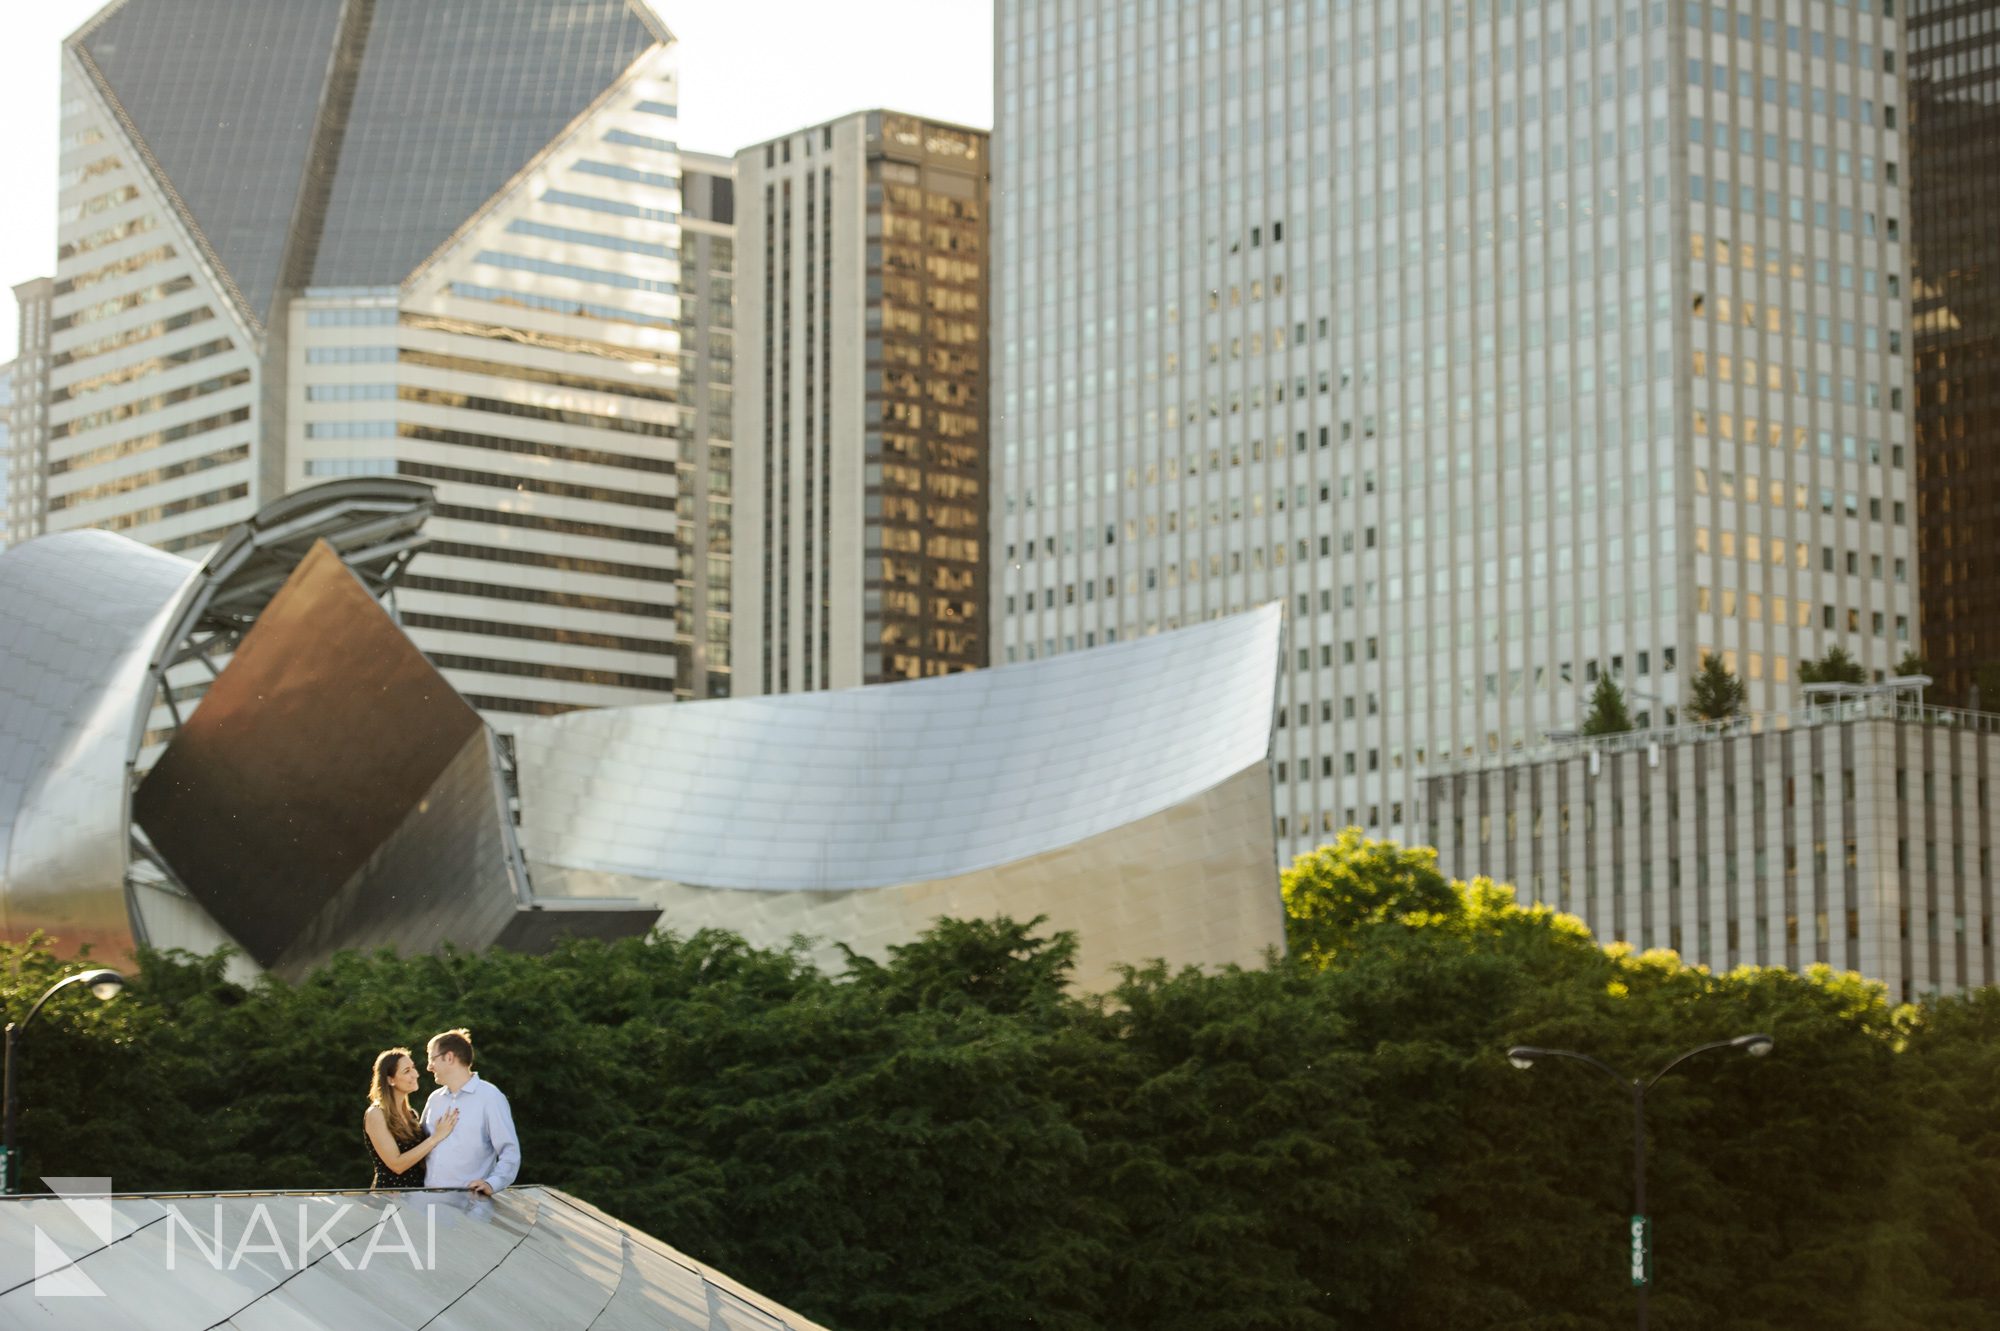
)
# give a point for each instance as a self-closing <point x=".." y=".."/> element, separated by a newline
<point x="750" y="70"/>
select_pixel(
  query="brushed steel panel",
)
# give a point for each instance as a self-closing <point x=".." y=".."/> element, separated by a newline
<point x="1193" y="885"/>
<point x="80" y="613"/>
<point x="899" y="783"/>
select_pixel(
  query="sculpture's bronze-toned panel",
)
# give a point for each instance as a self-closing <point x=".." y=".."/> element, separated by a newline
<point x="308" y="753"/>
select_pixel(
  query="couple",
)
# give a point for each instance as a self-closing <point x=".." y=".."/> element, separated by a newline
<point x="465" y="1138"/>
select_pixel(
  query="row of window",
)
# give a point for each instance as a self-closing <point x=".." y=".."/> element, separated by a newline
<point x="351" y="317"/>
<point x="574" y="272"/>
<point x="580" y="309"/>
<point x="139" y="369"/>
<point x="131" y="336"/>
<point x="140" y="480"/>
<point x="495" y="591"/>
<point x="486" y="665"/>
<point x="615" y="207"/>
<point x="125" y="448"/>
<point x="536" y="633"/>
<point x="131" y="300"/>
<point x="140" y="406"/>
<point x="1777" y="206"/>
<point x="560" y="563"/>
<point x="522" y="226"/>
<point x="115" y="269"/>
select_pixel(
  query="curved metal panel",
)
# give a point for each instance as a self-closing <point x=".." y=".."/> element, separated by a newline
<point x="1195" y="884"/>
<point x="901" y="783"/>
<point x="80" y="613"/>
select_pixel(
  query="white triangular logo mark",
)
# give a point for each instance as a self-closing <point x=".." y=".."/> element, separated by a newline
<point x="56" y="1276"/>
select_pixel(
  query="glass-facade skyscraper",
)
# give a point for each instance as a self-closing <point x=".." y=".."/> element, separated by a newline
<point x="861" y="447"/>
<point x="1955" y="253"/>
<point x="435" y="239"/>
<point x="1505" y="342"/>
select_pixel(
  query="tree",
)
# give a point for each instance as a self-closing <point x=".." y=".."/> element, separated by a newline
<point x="1836" y="667"/>
<point x="1716" y="694"/>
<point x="1333" y="892"/>
<point x="950" y="1136"/>
<point x="1913" y="663"/>
<point x="1608" y="714"/>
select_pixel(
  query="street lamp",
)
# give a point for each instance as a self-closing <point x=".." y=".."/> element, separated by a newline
<point x="105" y="985"/>
<point x="1526" y="1056"/>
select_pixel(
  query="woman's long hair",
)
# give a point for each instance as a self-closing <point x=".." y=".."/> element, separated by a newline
<point x="394" y="1104"/>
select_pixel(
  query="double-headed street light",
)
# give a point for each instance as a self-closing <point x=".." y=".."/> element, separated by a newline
<point x="1526" y="1056"/>
<point x="106" y="985"/>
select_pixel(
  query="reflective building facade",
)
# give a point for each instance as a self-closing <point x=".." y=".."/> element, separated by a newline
<point x="412" y="238"/>
<point x="1502" y="343"/>
<point x="321" y="787"/>
<point x="1123" y="793"/>
<point x="862" y="465"/>
<point x="1954" y="195"/>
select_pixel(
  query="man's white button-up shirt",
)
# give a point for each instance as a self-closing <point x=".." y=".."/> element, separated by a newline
<point x="482" y="1146"/>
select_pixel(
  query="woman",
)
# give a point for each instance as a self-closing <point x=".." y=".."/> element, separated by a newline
<point x="397" y="1139"/>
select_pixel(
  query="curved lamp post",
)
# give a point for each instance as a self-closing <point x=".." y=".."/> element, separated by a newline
<point x="1526" y="1056"/>
<point x="103" y="983"/>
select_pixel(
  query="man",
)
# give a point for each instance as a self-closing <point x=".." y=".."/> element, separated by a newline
<point x="483" y="1154"/>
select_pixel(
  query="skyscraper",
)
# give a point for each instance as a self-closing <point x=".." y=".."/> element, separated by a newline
<point x="26" y="494"/>
<point x="861" y="452"/>
<point x="427" y="238"/>
<point x="708" y="389"/>
<point x="1955" y="252"/>
<point x="1506" y="342"/>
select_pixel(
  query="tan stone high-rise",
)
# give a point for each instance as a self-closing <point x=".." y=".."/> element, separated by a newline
<point x="861" y="441"/>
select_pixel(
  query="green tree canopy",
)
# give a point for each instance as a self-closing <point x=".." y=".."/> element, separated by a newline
<point x="1913" y="664"/>
<point x="952" y="1136"/>
<point x="1716" y="693"/>
<point x="1836" y="667"/>
<point x="1333" y="892"/>
<point x="1608" y="714"/>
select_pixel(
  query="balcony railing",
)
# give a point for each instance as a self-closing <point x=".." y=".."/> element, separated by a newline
<point x="1838" y="712"/>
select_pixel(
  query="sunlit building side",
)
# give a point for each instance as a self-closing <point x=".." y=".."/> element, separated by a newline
<point x="400" y="238"/>
<point x="861" y="449"/>
<point x="1505" y="344"/>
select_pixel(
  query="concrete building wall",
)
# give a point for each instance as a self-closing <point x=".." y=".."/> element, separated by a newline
<point x="1860" y="837"/>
